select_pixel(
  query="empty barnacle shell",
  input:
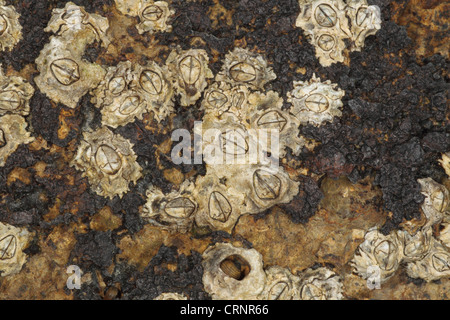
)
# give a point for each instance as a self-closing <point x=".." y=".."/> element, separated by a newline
<point x="10" y="28"/>
<point x="243" y="67"/>
<point x="445" y="162"/>
<point x="174" y="211"/>
<point x="320" y="284"/>
<point x="154" y="16"/>
<point x="12" y="243"/>
<point x="15" y="95"/>
<point x="73" y="22"/>
<point x="434" y="266"/>
<point x="189" y="71"/>
<point x="171" y="296"/>
<point x="281" y="284"/>
<point x="380" y="252"/>
<point x="417" y="246"/>
<point x="108" y="161"/>
<point x="315" y="101"/>
<point x="436" y="200"/>
<point x="233" y="273"/>
<point x="13" y="132"/>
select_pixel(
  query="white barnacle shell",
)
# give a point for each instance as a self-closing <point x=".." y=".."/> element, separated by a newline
<point x="154" y="16"/>
<point x="434" y="266"/>
<point x="108" y="161"/>
<point x="174" y="211"/>
<point x="445" y="162"/>
<point x="416" y="246"/>
<point x="12" y="243"/>
<point x="243" y="67"/>
<point x="189" y="71"/>
<point x="320" y="284"/>
<point x="232" y="273"/>
<point x="73" y="21"/>
<point x="380" y="252"/>
<point x="171" y="296"/>
<point x="13" y="132"/>
<point x="10" y="28"/>
<point x="365" y="21"/>
<point x="436" y="201"/>
<point x="281" y="284"/>
<point x="15" y="95"/>
<point x="315" y="101"/>
<point x="64" y="76"/>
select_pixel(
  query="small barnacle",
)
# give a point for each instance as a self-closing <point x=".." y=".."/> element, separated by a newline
<point x="221" y="98"/>
<point x="365" y="21"/>
<point x="10" y="28"/>
<point x="436" y="201"/>
<point x="74" y="23"/>
<point x="434" y="266"/>
<point x="444" y="234"/>
<point x="242" y="67"/>
<point x="12" y="243"/>
<point x="380" y="252"/>
<point x="445" y="162"/>
<point x="233" y="273"/>
<point x="154" y="16"/>
<point x="281" y="284"/>
<point x="320" y="284"/>
<point x="189" y="71"/>
<point x="13" y="132"/>
<point x="417" y="246"/>
<point x="64" y="76"/>
<point x="15" y="95"/>
<point x="174" y="211"/>
<point x="315" y="101"/>
<point x="108" y="161"/>
<point x="171" y="296"/>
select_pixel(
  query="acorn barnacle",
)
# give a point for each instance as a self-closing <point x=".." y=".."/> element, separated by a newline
<point x="436" y="202"/>
<point x="12" y="243"/>
<point x="233" y="273"/>
<point x="108" y="161"/>
<point x="315" y="101"/>
<point x="320" y="284"/>
<point x="281" y="284"/>
<point x="416" y="246"/>
<point x="378" y="254"/>
<point x="154" y="16"/>
<point x="174" y="211"/>
<point x="15" y="95"/>
<point x="243" y="67"/>
<point x="10" y="28"/>
<point x="128" y="7"/>
<point x="13" y="132"/>
<point x="189" y="71"/>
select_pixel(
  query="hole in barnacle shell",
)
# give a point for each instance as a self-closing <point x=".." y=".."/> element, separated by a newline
<point x="235" y="267"/>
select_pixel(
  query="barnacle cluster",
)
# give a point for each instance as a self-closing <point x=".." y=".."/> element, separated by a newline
<point x="426" y="257"/>
<point x="64" y="75"/>
<point x="237" y="273"/>
<point x="329" y="24"/>
<point x="13" y="241"/>
<point x="10" y="28"/>
<point x="108" y="161"/>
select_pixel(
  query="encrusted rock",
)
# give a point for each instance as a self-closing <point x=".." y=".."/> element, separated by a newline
<point x="320" y="284"/>
<point x="12" y="243"/>
<point x="233" y="273"/>
<point x="108" y="161"/>
<point x="13" y="132"/>
<point x="10" y="28"/>
<point x="15" y="95"/>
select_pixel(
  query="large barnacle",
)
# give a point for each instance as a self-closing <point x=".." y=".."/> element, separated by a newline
<point x="445" y="162"/>
<point x="13" y="132"/>
<point x="189" y="70"/>
<point x="328" y="24"/>
<point x="378" y="255"/>
<point x="243" y="67"/>
<point x="434" y="266"/>
<point x="10" y="28"/>
<point x="15" y="95"/>
<point x="174" y="211"/>
<point x="416" y="246"/>
<point x="281" y="284"/>
<point x="436" y="201"/>
<point x="315" y="101"/>
<point x="233" y="273"/>
<point x="154" y="16"/>
<point x="12" y="243"/>
<point x="320" y="284"/>
<point x="108" y="161"/>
